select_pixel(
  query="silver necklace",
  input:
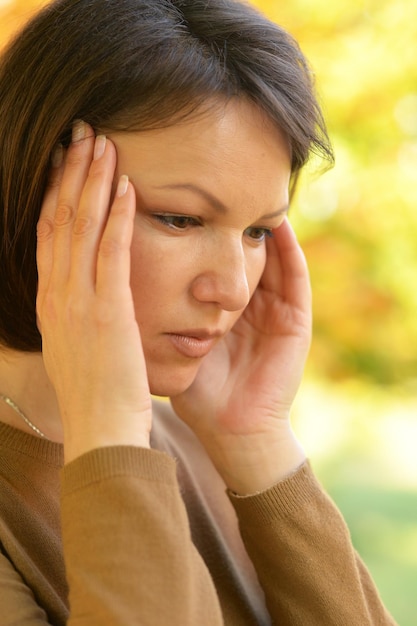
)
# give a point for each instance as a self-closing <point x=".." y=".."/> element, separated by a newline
<point x="15" y="408"/>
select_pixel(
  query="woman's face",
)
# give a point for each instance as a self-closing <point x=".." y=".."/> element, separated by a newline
<point x="208" y="191"/>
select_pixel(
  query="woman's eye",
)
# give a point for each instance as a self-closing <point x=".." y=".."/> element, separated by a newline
<point x="258" y="234"/>
<point x="179" y="222"/>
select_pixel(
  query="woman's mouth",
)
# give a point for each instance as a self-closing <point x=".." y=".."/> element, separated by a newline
<point x="194" y="344"/>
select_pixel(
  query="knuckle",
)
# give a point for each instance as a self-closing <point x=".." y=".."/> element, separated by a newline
<point x="120" y="211"/>
<point x="48" y="308"/>
<point x="63" y="308"/>
<point x="109" y="247"/>
<point x="75" y="156"/>
<point x="97" y="170"/>
<point x="44" y="229"/>
<point x="83" y="226"/>
<point x="76" y="310"/>
<point x="64" y="214"/>
<point x="104" y="315"/>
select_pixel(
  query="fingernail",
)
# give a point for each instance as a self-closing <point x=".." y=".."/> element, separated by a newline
<point x="57" y="156"/>
<point x="78" y="131"/>
<point x="99" y="147"/>
<point x="122" y="186"/>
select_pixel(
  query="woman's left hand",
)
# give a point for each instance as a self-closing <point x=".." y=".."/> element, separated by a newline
<point x="239" y="404"/>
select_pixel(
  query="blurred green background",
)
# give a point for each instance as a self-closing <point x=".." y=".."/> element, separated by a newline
<point x="358" y="225"/>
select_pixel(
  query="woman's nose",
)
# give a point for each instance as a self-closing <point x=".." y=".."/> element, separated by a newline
<point x="223" y="280"/>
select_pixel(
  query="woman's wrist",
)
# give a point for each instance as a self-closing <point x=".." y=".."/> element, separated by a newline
<point x="259" y="463"/>
<point x="84" y="437"/>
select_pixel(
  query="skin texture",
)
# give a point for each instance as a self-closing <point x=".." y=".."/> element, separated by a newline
<point x="167" y="290"/>
<point x="199" y="270"/>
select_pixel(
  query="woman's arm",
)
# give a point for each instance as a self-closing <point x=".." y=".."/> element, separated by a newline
<point x="304" y="558"/>
<point x="127" y="546"/>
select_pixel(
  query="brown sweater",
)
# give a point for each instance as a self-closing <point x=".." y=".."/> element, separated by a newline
<point x="133" y="554"/>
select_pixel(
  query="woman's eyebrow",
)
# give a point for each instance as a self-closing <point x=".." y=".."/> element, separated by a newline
<point x="209" y="197"/>
<point x="213" y="201"/>
<point x="282" y="211"/>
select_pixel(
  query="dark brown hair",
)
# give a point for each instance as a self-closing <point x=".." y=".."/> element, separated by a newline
<point x="123" y="65"/>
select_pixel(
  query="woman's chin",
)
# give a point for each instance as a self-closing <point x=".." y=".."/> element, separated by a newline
<point x="171" y="383"/>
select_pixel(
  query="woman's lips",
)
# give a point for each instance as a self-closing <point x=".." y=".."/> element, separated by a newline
<point x="194" y="346"/>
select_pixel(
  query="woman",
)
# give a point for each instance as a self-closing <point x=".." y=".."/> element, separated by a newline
<point x="166" y="266"/>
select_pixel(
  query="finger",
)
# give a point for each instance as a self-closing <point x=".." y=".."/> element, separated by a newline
<point x="77" y="164"/>
<point x="46" y="221"/>
<point x="286" y="272"/>
<point x="113" y="262"/>
<point x="92" y="215"/>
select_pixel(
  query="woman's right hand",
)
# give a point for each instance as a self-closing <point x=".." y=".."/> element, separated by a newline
<point x="90" y="339"/>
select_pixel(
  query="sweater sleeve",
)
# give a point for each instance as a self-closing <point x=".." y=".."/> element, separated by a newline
<point x="17" y="602"/>
<point x="127" y="545"/>
<point x="303" y="555"/>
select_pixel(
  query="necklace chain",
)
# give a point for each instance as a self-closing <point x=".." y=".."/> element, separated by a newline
<point x="19" y="411"/>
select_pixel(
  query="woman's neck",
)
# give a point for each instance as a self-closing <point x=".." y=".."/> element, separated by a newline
<point x="24" y="380"/>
